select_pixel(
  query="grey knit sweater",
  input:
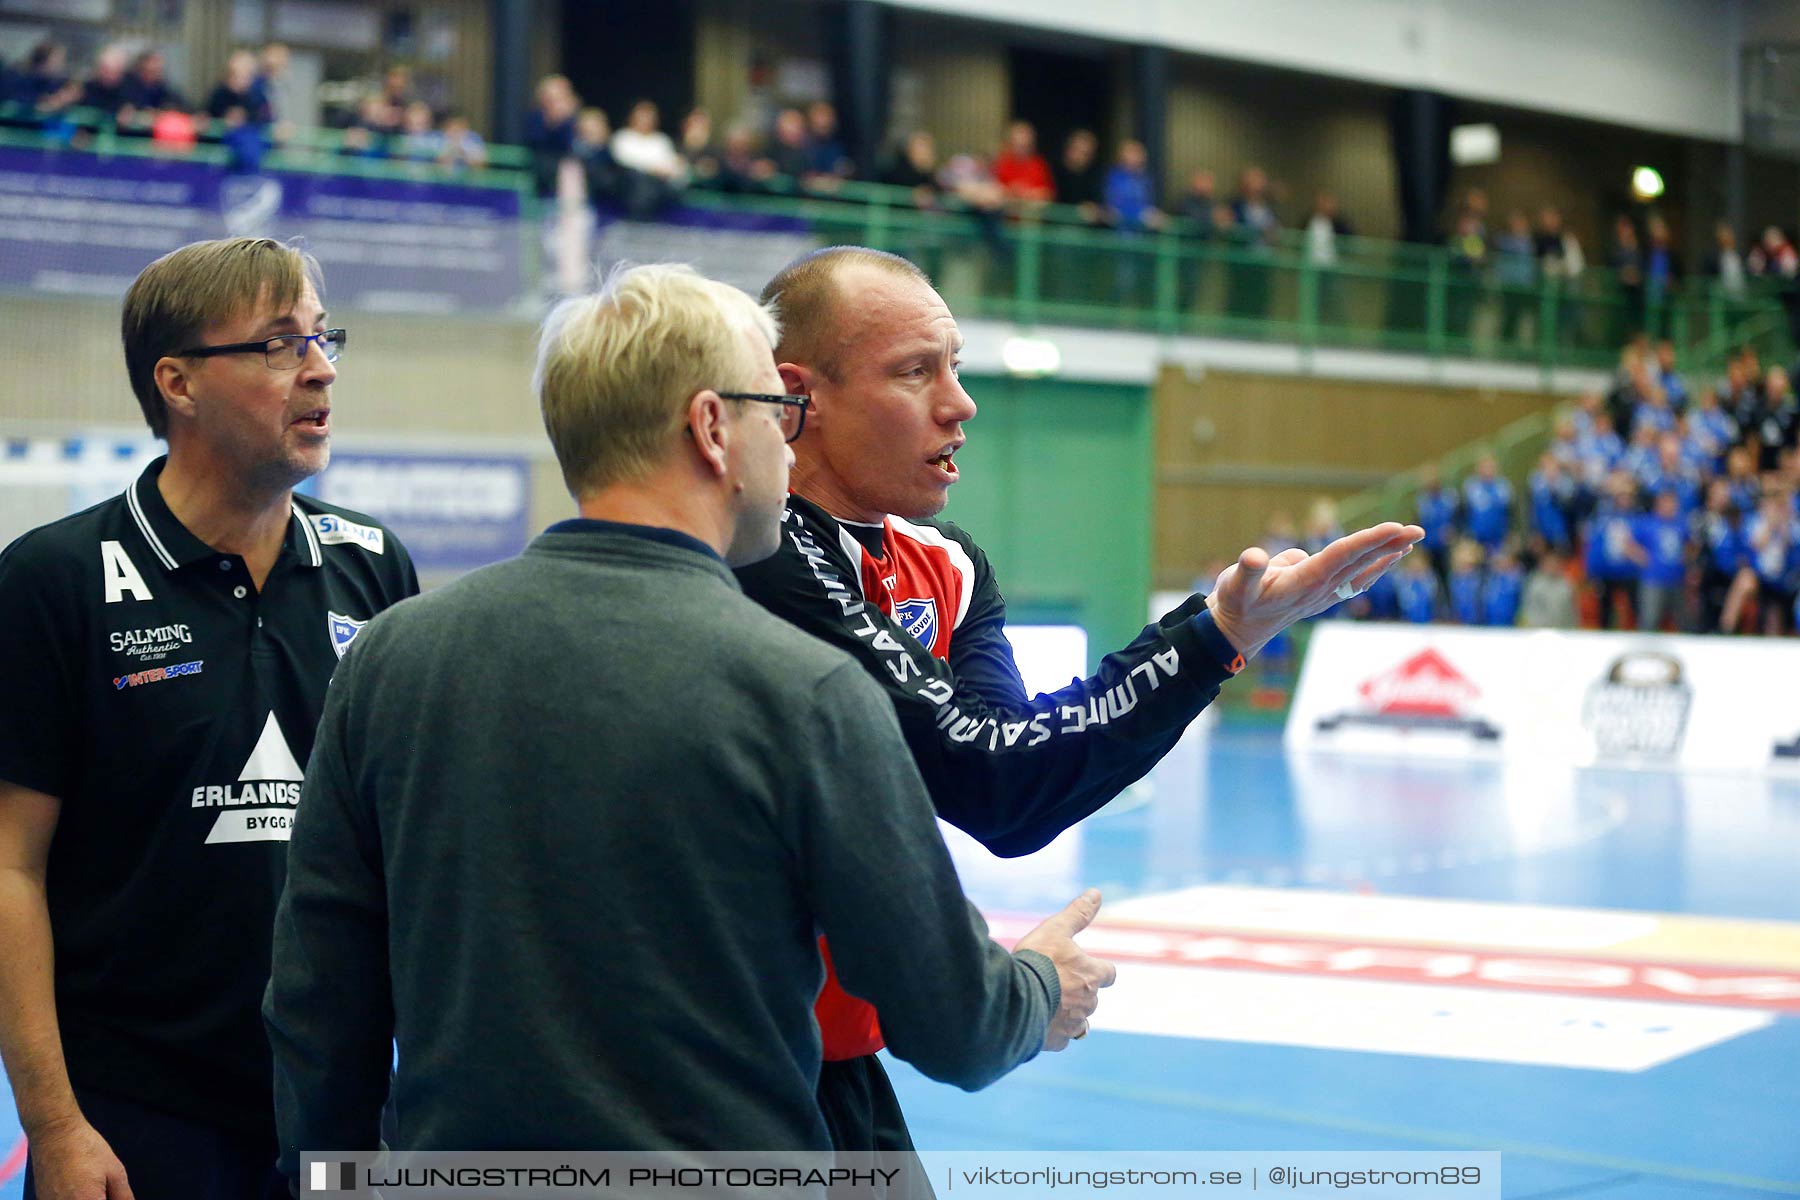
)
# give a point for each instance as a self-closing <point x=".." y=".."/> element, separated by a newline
<point x="570" y="833"/>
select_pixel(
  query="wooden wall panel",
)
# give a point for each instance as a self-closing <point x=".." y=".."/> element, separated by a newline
<point x="1232" y="448"/>
<point x="734" y="36"/>
<point x="1309" y="134"/>
<point x="951" y="78"/>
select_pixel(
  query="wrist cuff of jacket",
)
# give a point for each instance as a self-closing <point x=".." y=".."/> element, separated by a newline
<point x="1216" y="644"/>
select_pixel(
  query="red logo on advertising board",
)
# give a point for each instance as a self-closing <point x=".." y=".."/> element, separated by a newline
<point x="1425" y="685"/>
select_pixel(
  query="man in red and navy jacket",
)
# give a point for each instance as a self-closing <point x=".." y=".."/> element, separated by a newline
<point x="864" y="566"/>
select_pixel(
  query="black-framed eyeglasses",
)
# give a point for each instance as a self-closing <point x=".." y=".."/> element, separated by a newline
<point x="284" y="352"/>
<point x="793" y="409"/>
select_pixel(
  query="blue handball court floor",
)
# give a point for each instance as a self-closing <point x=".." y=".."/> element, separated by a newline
<point x="1595" y="972"/>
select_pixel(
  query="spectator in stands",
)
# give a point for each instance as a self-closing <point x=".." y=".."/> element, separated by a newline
<point x="1468" y="268"/>
<point x="1474" y="208"/>
<point x="1722" y="553"/>
<point x="1773" y="539"/>
<point x="1636" y="395"/>
<point x="245" y="139"/>
<point x="967" y="177"/>
<point x="1078" y="178"/>
<point x="1661" y="534"/>
<point x="1753" y="372"/>
<point x="1602" y="450"/>
<point x="1742" y="479"/>
<point x="1711" y="432"/>
<point x="1020" y="170"/>
<point x="1590" y="405"/>
<point x="1667" y="377"/>
<point x="368" y="136"/>
<point x="830" y="161"/>
<point x="1777" y="421"/>
<point x="1131" y="209"/>
<point x="1724" y="264"/>
<point x="397" y="87"/>
<point x="741" y="168"/>
<point x="1554" y="500"/>
<point x="1548" y="601"/>
<point x="1640" y="454"/>
<point x="1672" y="473"/>
<point x="1323" y="229"/>
<point x="1202" y="214"/>
<point x="1438" y="511"/>
<point x="916" y="167"/>
<point x="461" y="148"/>
<point x="1737" y="396"/>
<point x="1464" y="589"/>
<point x="1662" y="270"/>
<point x="1614" y="558"/>
<point x="651" y="173"/>
<point x="419" y="139"/>
<point x="1627" y="262"/>
<point x="1560" y="263"/>
<point x="590" y="145"/>
<point x="1502" y="590"/>
<point x="1515" y="273"/>
<point x="273" y="89"/>
<point x="792" y="150"/>
<point x="1254" y="227"/>
<point x="1416" y="591"/>
<point x="550" y="129"/>
<point x="106" y="88"/>
<point x="147" y="89"/>
<point x="1200" y="202"/>
<point x="1487" y="501"/>
<point x="697" y="146"/>
<point x="44" y="85"/>
<point x="1773" y="257"/>
<point x="1651" y="406"/>
<point x="237" y="89"/>
<point x="1565" y="443"/>
<point x="1253" y="208"/>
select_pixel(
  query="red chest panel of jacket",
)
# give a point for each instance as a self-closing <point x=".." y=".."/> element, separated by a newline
<point x="922" y="581"/>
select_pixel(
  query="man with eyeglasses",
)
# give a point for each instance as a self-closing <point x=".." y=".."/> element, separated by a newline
<point x="865" y="567"/>
<point x="164" y="665"/>
<point x="583" y="882"/>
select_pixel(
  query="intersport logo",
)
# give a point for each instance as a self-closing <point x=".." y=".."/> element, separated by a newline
<point x="1425" y="685"/>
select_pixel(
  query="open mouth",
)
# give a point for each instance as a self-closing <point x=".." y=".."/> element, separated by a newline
<point x="942" y="462"/>
<point x="317" y="419"/>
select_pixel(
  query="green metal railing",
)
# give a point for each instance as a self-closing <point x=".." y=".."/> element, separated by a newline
<point x="1049" y="268"/>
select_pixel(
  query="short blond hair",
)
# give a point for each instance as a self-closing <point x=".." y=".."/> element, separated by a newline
<point x="176" y="298"/>
<point x="616" y="369"/>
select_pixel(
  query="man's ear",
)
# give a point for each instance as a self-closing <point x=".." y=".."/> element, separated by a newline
<point x="708" y="429"/>
<point x="796" y="380"/>
<point x="173" y="378"/>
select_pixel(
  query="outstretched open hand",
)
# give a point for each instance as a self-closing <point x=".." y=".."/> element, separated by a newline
<point x="1257" y="597"/>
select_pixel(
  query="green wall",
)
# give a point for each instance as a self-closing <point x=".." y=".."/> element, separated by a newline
<point x="1056" y="488"/>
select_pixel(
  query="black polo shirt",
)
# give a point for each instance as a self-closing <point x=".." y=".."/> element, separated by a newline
<point x="171" y="707"/>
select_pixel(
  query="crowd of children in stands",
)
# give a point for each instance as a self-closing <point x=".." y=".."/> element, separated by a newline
<point x="1654" y="507"/>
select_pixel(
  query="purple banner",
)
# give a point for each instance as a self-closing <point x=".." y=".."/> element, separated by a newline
<point x="453" y="512"/>
<point x="78" y="222"/>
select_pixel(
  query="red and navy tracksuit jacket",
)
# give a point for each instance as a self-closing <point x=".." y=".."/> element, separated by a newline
<point x="916" y="603"/>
